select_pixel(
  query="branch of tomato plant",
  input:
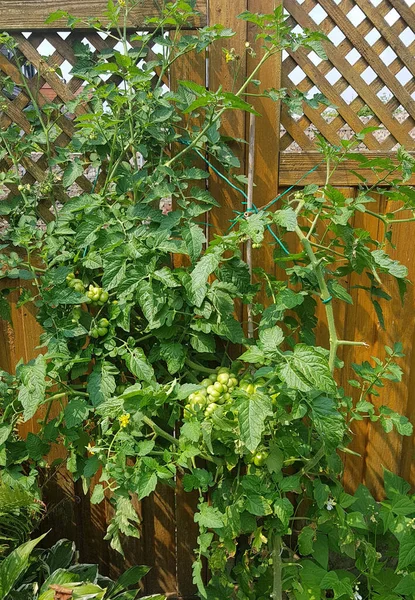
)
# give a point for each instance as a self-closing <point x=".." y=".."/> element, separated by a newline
<point x="276" y="567"/>
<point x="218" y="115"/>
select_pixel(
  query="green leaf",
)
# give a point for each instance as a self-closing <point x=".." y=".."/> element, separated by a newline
<point x="393" y="267"/>
<point x="32" y="392"/>
<point x="252" y="412"/>
<point x="174" y="354"/>
<point x="338" y="291"/>
<point x="407" y="550"/>
<point x="146" y="483"/>
<point x="114" y="272"/>
<point x="253" y="355"/>
<point x="130" y="577"/>
<point x="15" y="565"/>
<point x="327" y="420"/>
<point x="257" y="505"/>
<point x="209" y="516"/>
<point x="197" y="579"/>
<point x="198" y="479"/>
<point x="76" y="411"/>
<point x="306" y="539"/>
<point x="91" y="466"/>
<point x="5" y="431"/>
<point x="200" y="274"/>
<point x="72" y="172"/>
<point x="286" y="218"/>
<point x="307" y="369"/>
<point x="98" y="494"/>
<point x="270" y="340"/>
<point x="166" y="276"/>
<point x="395" y="485"/>
<point x="194" y="238"/>
<point x="101" y="382"/>
<point x="138" y="364"/>
<point x="191" y="430"/>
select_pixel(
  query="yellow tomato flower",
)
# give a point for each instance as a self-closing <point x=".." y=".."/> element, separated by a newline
<point x="124" y="419"/>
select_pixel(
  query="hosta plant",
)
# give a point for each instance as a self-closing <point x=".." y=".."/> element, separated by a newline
<point x="140" y="333"/>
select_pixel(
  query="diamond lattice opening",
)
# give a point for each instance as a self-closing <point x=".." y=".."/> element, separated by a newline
<point x="375" y="2"/>
<point x="297" y="75"/>
<point x="392" y="17"/>
<point x="384" y="94"/>
<point x="318" y="14"/>
<point x="45" y="49"/>
<point x="315" y="59"/>
<point x="400" y="114"/>
<point x="353" y="56"/>
<point x="407" y="36"/>
<point x="373" y="36"/>
<point x="333" y="76"/>
<point x="403" y="76"/>
<point x="336" y="36"/>
<point x="387" y="56"/>
<point x="368" y="75"/>
<point x="329" y="114"/>
<point x="356" y="16"/>
<point x="349" y="94"/>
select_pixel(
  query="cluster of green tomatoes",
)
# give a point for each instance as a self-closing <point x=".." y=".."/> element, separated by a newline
<point x="96" y="295"/>
<point x="216" y="390"/>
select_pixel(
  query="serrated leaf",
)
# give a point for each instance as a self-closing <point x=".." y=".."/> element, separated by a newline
<point x="98" y="494"/>
<point x="138" y="364"/>
<point x="328" y="421"/>
<point x="253" y="355"/>
<point x="76" y="411"/>
<point x="32" y="392"/>
<point x="191" y="430"/>
<point x="252" y="412"/>
<point x="307" y="369"/>
<point x="393" y="267"/>
<point x="114" y="272"/>
<point x="209" y="516"/>
<point x="306" y="539"/>
<point x="146" y="483"/>
<point x="270" y="340"/>
<point x="101" y="382"/>
<point x="200" y="274"/>
<point x="194" y="238"/>
<point x="72" y="172"/>
<point x="174" y="354"/>
<point x="286" y="218"/>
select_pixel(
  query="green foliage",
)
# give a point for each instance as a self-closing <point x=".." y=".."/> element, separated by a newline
<point x="30" y="573"/>
<point x="137" y="307"/>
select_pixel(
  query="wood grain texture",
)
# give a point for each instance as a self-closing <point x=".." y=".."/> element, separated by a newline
<point x="32" y="14"/>
<point x="295" y="165"/>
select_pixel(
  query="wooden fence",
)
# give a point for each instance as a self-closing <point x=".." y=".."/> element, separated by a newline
<point x="369" y="78"/>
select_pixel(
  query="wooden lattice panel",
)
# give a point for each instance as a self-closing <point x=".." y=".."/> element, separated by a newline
<point x="368" y="77"/>
<point x="47" y="85"/>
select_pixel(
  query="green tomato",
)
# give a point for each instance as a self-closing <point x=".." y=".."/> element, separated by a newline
<point x="218" y="387"/>
<point x="206" y="382"/>
<point x="103" y="323"/>
<point x="79" y="287"/>
<point x="70" y="276"/>
<point x="233" y="382"/>
<point x="211" y="409"/>
<point x="120" y="389"/>
<point x="104" y="296"/>
<point x="191" y="397"/>
<point x="223" y="370"/>
<point x="212" y="391"/>
<point x="260" y="458"/>
<point x="249" y="458"/>
<point x="226" y="397"/>
<point x="221" y="400"/>
<point x="102" y="331"/>
<point x="250" y="389"/>
<point x="223" y="378"/>
<point x="76" y="313"/>
<point x="212" y="398"/>
<point x="212" y="378"/>
<point x="199" y="399"/>
<point x="94" y="333"/>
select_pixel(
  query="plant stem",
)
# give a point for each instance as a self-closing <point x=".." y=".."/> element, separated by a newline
<point x="199" y="368"/>
<point x="276" y="569"/>
<point x="160" y="431"/>
<point x="325" y="296"/>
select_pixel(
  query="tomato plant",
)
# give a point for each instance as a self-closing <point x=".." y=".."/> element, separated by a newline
<point x="137" y="346"/>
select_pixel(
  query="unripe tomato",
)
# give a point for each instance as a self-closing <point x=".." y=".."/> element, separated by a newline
<point x="249" y="458"/>
<point x="260" y="458"/>
<point x="226" y="397"/>
<point x="212" y="378"/>
<point x="102" y="331"/>
<point x="70" y="276"/>
<point x="191" y="397"/>
<point x="222" y="370"/>
<point x="90" y="294"/>
<point x="103" y="297"/>
<point x="212" y="391"/>
<point x="250" y="389"/>
<point x="76" y="313"/>
<point x="94" y="333"/>
<point x="205" y="382"/>
<point x="218" y="387"/>
<point x="223" y="378"/>
<point x="233" y="382"/>
<point x="103" y="323"/>
<point x="79" y="287"/>
<point x="120" y="389"/>
<point x="199" y="399"/>
<point x="210" y="409"/>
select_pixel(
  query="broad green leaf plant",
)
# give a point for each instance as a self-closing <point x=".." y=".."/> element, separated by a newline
<point x="138" y="313"/>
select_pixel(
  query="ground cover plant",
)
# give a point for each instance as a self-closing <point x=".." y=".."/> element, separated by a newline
<point x="138" y="311"/>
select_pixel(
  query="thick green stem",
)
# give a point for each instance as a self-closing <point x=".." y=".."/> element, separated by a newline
<point x="276" y="568"/>
<point x="199" y="368"/>
<point x="325" y="296"/>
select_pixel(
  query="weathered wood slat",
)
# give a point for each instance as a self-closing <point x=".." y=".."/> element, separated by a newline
<point x="32" y="14"/>
<point x="295" y="165"/>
